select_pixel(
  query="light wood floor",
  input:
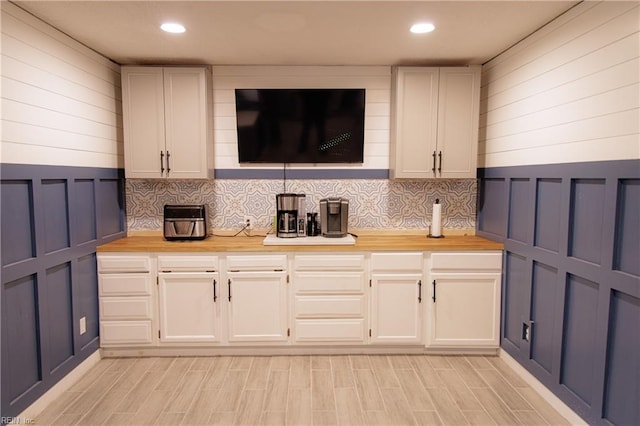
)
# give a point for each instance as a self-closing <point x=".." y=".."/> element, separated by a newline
<point x="301" y="390"/>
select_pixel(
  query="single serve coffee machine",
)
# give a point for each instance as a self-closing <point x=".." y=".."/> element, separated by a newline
<point x="287" y="215"/>
<point x="334" y="216"/>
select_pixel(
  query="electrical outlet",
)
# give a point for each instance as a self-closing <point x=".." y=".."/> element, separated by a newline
<point x="83" y="325"/>
<point x="248" y="222"/>
<point x="526" y="332"/>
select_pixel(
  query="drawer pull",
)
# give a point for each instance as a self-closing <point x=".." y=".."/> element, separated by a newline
<point x="419" y="291"/>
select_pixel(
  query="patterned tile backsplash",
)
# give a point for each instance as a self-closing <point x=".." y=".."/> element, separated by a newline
<point x="373" y="204"/>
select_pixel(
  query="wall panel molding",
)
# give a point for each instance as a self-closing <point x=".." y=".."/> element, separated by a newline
<point x="49" y="276"/>
<point x="581" y="303"/>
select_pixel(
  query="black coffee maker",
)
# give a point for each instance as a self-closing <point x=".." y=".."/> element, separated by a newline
<point x="287" y="215"/>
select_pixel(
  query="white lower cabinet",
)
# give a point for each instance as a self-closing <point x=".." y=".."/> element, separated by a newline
<point x="189" y="307"/>
<point x="257" y="293"/>
<point x="464" y="300"/>
<point x="329" y="299"/>
<point x="446" y="300"/>
<point x="188" y="298"/>
<point x="396" y="298"/>
<point x="125" y="300"/>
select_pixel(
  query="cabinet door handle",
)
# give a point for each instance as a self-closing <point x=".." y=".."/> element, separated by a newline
<point x="419" y="291"/>
<point x="161" y="162"/>
<point x="433" y="169"/>
<point x="439" y="161"/>
<point x="169" y="167"/>
<point x="434" y="291"/>
<point x="215" y="295"/>
<point x="229" y="285"/>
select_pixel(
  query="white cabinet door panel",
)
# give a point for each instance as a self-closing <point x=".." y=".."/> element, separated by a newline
<point x="466" y="310"/>
<point x="188" y="311"/>
<point x="257" y="306"/>
<point x="396" y="308"/>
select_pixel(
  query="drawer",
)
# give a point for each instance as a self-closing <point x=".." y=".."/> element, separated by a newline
<point x="124" y="284"/>
<point x="329" y="306"/>
<point x="406" y="262"/>
<point x="115" y="308"/>
<point x="125" y="333"/>
<point x="328" y="262"/>
<point x="329" y="330"/>
<point x="329" y="282"/>
<point x="191" y="263"/>
<point x="467" y="261"/>
<point x="123" y="263"/>
<point x="257" y="263"/>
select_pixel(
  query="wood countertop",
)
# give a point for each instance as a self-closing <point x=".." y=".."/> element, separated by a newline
<point x="243" y="243"/>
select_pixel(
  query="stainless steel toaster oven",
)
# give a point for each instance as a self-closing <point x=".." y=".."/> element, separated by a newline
<point x="185" y="222"/>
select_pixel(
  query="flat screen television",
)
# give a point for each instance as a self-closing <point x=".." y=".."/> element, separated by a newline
<point x="300" y="125"/>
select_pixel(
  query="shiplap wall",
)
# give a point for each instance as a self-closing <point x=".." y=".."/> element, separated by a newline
<point x="61" y="101"/>
<point x="569" y="93"/>
<point x="375" y="79"/>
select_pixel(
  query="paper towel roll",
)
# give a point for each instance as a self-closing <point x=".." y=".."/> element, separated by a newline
<point x="436" y="219"/>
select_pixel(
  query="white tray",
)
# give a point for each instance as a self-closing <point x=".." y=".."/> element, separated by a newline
<point x="272" y="240"/>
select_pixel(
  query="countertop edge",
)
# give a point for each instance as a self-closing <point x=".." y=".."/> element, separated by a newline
<point x="245" y="244"/>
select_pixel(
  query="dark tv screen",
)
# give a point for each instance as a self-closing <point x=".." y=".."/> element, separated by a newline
<point x="300" y="125"/>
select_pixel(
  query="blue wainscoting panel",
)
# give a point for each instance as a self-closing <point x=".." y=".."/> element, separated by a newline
<point x="493" y="212"/>
<point x="85" y="205"/>
<point x="59" y="309"/>
<point x="586" y="219"/>
<point x="627" y="237"/>
<point x="548" y="205"/>
<point x="110" y="205"/>
<point x="53" y="218"/>
<point x="21" y="337"/>
<point x="18" y="242"/>
<point x="86" y="283"/>
<point x="516" y="297"/>
<point x="56" y="218"/>
<point x="521" y="207"/>
<point x="622" y="391"/>
<point x="545" y="293"/>
<point x="581" y="304"/>
<point x="576" y="282"/>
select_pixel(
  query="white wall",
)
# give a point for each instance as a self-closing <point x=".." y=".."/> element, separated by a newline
<point x="568" y="93"/>
<point x="375" y="79"/>
<point x="61" y="102"/>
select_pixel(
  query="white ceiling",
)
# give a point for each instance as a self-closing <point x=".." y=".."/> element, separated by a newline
<point x="293" y="32"/>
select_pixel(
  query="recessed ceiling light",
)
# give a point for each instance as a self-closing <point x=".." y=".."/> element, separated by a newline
<point x="172" y="27"/>
<point x="422" y="28"/>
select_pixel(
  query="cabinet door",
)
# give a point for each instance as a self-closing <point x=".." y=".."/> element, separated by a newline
<point x="189" y="307"/>
<point x="185" y="109"/>
<point x="458" y="115"/>
<point x="415" y="108"/>
<point x="465" y="310"/>
<point x="257" y="306"/>
<point x="396" y="308"/>
<point x="143" y="121"/>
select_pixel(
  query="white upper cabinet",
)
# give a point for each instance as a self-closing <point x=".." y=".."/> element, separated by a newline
<point x="166" y="122"/>
<point x="435" y="122"/>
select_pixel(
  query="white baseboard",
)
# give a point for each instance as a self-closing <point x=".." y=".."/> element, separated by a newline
<point x="59" y="388"/>
<point x="542" y="390"/>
